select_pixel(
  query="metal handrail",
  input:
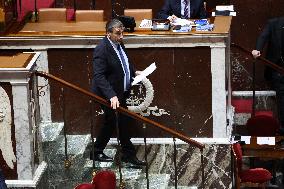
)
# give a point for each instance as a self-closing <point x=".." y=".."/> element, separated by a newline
<point x="263" y="60"/>
<point x="122" y="110"/>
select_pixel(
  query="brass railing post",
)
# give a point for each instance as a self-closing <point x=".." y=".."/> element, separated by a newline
<point x="145" y="156"/>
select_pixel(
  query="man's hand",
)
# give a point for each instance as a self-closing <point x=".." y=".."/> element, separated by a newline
<point x="172" y="18"/>
<point x="114" y="103"/>
<point x="255" y="53"/>
<point x="138" y="73"/>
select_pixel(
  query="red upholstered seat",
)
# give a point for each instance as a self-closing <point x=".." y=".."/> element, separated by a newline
<point x="105" y="179"/>
<point x="85" y="186"/>
<point x="70" y="14"/>
<point x="263" y="125"/>
<point x="242" y="105"/>
<point x="257" y="175"/>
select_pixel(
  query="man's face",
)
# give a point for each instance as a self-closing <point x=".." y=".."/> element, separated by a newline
<point x="116" y="36"/>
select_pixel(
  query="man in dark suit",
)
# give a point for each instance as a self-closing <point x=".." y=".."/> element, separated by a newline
<point x="173" y="9"/>
<point x="273" y="36"/>
<point x="113" y="74"/>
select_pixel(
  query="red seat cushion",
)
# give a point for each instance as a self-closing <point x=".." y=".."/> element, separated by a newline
<point x="262" y="125"/>
<point x="85" y="186"/>
<point x="242" y="105"/>
<point x="257" y="175"/>
<point x="238" y="151"/>
<point x="70" y="14"/>
<point x="105" y="179"/>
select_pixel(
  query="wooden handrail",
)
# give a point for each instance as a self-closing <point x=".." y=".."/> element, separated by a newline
<point x="264" y="60"/>
<point x="122" y="110"/>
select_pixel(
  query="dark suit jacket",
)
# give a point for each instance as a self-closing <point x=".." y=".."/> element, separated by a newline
<point x="174" y="7"/>
<point x="108" y="79"/>
<point x="272" y="34"/>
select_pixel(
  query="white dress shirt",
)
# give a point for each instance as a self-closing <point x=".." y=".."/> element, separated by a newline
<point x="114" y="46"/>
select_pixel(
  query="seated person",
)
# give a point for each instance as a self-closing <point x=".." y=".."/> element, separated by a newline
<point x="173" y="9"/>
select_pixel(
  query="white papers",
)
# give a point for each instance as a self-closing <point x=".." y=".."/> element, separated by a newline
<point x="246" y="139"/>
<point x="231" y="14"/>
<point x="145" y="23"/>
<point x="225" y="8"/>
<point x="182" y="22"/>
<point x="265" y="140"/>
<point x="144" y="74"/>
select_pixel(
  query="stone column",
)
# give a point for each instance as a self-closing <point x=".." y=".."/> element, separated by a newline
<point x="44" y="88"/>
<point x="218" y="55"/>
<point x="23" y="130"/>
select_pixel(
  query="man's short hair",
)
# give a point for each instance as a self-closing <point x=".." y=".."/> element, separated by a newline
<point x="114" y="23"/>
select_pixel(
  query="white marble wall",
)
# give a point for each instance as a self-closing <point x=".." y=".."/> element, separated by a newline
<point x="44" y="88"/>
<point x="23" y="129"/>
<point x="219" y="101"/>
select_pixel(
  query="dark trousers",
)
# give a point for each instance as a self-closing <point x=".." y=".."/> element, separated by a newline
<point x="278" y="86"/>
<point x="109" y="128"/>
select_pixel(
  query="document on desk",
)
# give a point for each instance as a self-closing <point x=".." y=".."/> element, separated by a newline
<point x="182" y="22"/>
<point x="265" y="140"/>
<point x="145" y="23"/>
<point x="144" y="73"/>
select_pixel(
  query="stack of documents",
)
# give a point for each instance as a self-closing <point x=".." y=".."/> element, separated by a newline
<point x="208" y="27"/>
<point x="224" y="10"/>
<point x="146" y="24"/>
<point x="182" y="22"/>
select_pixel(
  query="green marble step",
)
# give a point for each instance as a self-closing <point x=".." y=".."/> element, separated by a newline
<point x="50" y="131"/>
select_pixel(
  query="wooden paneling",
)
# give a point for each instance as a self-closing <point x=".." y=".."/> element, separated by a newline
<point x="182" y="84"/>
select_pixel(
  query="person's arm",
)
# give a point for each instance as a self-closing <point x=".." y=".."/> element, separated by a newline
<point x="164" y="13"/>
<point x="261" y="41"/>
<point x="100" y="71"/>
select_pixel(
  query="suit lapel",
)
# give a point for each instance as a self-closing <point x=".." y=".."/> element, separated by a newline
<point x="110" y="49"/>
<point x="177" y="5"/>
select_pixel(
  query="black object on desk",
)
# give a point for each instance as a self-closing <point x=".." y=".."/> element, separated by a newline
<point x="128" y="22"/>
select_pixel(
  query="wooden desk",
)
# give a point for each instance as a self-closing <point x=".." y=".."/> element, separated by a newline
<point x="267" y="151"/>
<point x="18" y="61"/>
<point x="222" y="26"/>
<point x="170" y="50"/>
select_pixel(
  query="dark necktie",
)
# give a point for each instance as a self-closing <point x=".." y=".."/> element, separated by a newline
<point x="125" y="67"/>
<point x="185" y="14"/>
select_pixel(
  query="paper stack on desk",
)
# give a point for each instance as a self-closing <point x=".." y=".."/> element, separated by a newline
<point x="145" y="23"/>
<point x="224" y="10"/>
<point x="265" y="140"/>
<point x="182" y="22"/>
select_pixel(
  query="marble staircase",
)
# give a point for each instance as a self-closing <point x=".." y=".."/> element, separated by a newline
<point x="160" y="163"/>
<point x="81" y="167"/>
